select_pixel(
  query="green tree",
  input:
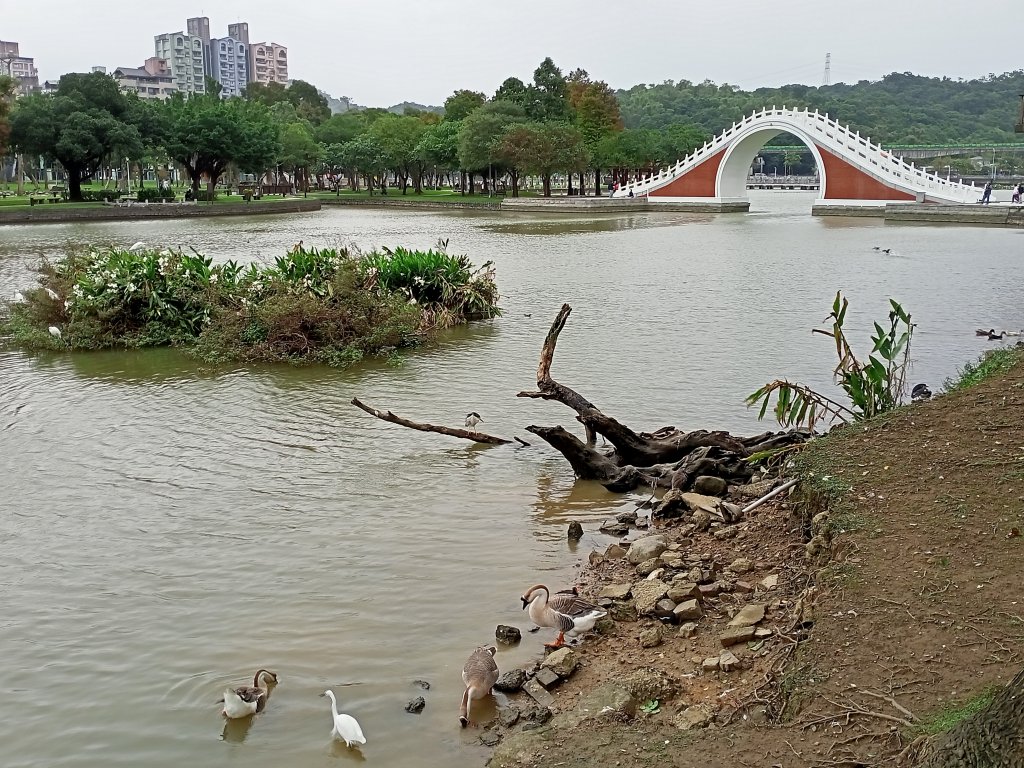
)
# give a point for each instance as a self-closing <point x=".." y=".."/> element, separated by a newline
<point x="439" y="146"/>
<point x="480" y="133"/>
<point x="365" y="156"/>
<point x="462" y="103"/>
<point x="81" y="126"/>
<point x="398" y="137"/>
<point x="543" y="149"/>
<point x="299" y="152"/>
<point x="549" y="94"/>
<point x="309" y="103"/>
<point x="597" y="116"/>
<point x="515" y="91"/>
<point x="340" y="128"/>
<point x="205" y="134"/>
<point x="6" y="101"/>
<point x="677" y="141"/>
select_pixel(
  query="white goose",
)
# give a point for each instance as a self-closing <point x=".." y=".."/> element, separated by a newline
<point x="345" y="726"/>
<point x="563" y="611"/>
<point x="248" y="699"/>
<point x="479" y="674"/>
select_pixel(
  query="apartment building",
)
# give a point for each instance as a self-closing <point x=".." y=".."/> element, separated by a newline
<point x="185" y="60"/>
<point x="199" y="26"/>
<point x="21" y="68"/>
<point x="229" y="65"/>
<point x="153" y="80"/>
<point x="268" y="63"/>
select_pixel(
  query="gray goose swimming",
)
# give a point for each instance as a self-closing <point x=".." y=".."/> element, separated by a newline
<point x="248" y="699"/>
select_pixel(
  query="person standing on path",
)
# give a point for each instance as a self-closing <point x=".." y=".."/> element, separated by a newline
<point x="987" y="193"/>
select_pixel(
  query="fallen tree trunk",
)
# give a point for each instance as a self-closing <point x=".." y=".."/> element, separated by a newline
<point x="465" y="434"/>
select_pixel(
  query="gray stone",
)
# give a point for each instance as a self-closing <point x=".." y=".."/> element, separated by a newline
<point x="610" y="701"/>
<point x="664" y="606"/>
<point x="709" y="485"/>
<point x="688" y="629"/>
<point x="507" y="635"/>
<point x="726" y="533"/>
<point x="614" y="528"/>
<point x="683" y="590"/>
<point x="710" y="665"/>
<point x="706" y="591"/>
<point x="689" y="609"/>
<point x="743" y="587"/>
<point x="646" y="594"/>
<point x="546" y="677"/>
<point x="700" y="502"/>
<point x="508" y="716"/>
<point x="562" y="662"/>
<point x="695" y="575"/>
<point x="539" y="693"/>
<point x="646" y="548"/>
<point x="697" y="716"/>
<point x="649" y="683"/>
<point x="415" y="706"/>
<point x="615" y="552"/>
<point x="422" y="684"/>
<point x="626" y="517"/>
<point x="741" y="565"/>
<point x="770" y="582"/>
<point x="619" y="591"/>
<point x="647" y="567"/>
<point x="575" y="531"/>
<point x="735" y="635"/>
<point x="700" y="520"/>
<point x="643" y="523"/>
<point x="727" y="661"/>
<point x="596" y="558"/>
<point x="762" y="634"/>
<point x="622" y="611"/>
<point x="748" y="616"/>
<point x="511" y="681"/>
<point x="651" y="637"/>
<point x="490" y="738"/>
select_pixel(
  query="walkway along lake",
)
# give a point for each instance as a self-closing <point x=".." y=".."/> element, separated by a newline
<point x="169" y="527"/>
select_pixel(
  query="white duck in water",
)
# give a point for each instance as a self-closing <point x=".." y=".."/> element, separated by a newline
<point x="345" y="726"/>
<point x="563" y="611"/>
<point x="479" y="675"/>
<point x="248" y="699"/>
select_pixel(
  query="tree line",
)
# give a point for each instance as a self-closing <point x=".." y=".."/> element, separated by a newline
<point x="554" y="124"/>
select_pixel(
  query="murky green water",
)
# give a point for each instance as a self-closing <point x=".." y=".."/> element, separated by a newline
<point x="168" y="527"/>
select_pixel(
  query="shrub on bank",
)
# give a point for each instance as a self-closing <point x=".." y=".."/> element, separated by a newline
<point x="331" y="306"/>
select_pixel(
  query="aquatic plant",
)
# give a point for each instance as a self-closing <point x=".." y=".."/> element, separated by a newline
<point x="873" y="387"/>
<point x="332" y="306"/>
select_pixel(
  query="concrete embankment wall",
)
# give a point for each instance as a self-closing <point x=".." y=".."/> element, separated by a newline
<point x="930" y="213"/>
<point x="56" y="213"/>
<point x="389" y="202"/>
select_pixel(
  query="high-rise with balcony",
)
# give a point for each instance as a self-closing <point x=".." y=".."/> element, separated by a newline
<point x="21" y="68"/>
<point x="185" y="60"/>
<point x="199" y="26"/>
<point x="268" y="63"/>
<point x="229" y="65"/>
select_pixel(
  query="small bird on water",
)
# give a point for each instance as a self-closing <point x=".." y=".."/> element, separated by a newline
<point x="472" y="419"/>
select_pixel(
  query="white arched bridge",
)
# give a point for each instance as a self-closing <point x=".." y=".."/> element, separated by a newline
<point x="852" y="170"/>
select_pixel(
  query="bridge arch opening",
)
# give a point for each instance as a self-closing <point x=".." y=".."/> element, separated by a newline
<point x="731" y="180"/>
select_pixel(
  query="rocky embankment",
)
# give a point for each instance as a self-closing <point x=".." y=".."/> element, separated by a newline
<point x="705" y="603"/>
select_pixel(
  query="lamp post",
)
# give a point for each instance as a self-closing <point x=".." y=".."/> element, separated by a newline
<point x="947" y="172"/>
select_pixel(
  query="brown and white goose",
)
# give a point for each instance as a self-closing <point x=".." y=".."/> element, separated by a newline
<point x="564" y="611"/>
<point x="248" y="699"/>
<point x="480" y="673"/>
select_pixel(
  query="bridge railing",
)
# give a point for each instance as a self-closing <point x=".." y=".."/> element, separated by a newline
<point x="834" y="135"/>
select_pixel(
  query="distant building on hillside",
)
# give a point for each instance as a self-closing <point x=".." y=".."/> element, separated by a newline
<point x="229" y="65"/>
<point x="268" y="63"/>
<point x="21" y="68"/>
<point x="151" y="81"/>
<point x="185" y="60"/>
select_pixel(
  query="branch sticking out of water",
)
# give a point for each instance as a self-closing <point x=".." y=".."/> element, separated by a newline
<point x="465" y="434"/>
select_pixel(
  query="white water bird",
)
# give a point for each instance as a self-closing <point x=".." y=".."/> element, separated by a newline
<point x="472" y="419"/>
<point x="248" y="699"/>
<point x="345" y="726"/>
<point x="479" y="674"/>
<point x="19" y="297"/>
<point x="563" y="611"/>
<point x="52" y="294"/>
<point x="54" y="331"/>
<point x="137" y="247"/>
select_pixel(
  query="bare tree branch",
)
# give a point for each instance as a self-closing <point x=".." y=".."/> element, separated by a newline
<point x="465" y="434"/>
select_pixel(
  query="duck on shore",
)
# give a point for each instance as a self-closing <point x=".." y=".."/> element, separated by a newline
<point x="563" y="611"/>
<point x="248" y="699"/>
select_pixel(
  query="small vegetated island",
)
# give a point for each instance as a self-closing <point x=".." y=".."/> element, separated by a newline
<point x="331" y="306"/>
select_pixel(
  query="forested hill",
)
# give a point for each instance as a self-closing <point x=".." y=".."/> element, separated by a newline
<point x="902" y="108"/>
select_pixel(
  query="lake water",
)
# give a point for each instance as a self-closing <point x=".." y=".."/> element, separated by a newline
<point x="167" y="527"/>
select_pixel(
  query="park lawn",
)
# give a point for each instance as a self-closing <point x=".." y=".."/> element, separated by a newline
<point x="428" y="196"/>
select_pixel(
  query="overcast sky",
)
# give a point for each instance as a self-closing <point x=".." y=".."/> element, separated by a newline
<point x="386" y="51"/>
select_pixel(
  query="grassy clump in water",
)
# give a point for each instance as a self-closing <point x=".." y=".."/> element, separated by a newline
<point x="331" y="306"/>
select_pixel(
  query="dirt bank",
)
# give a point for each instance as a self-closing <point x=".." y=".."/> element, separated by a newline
<point x="887" y="618"/>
